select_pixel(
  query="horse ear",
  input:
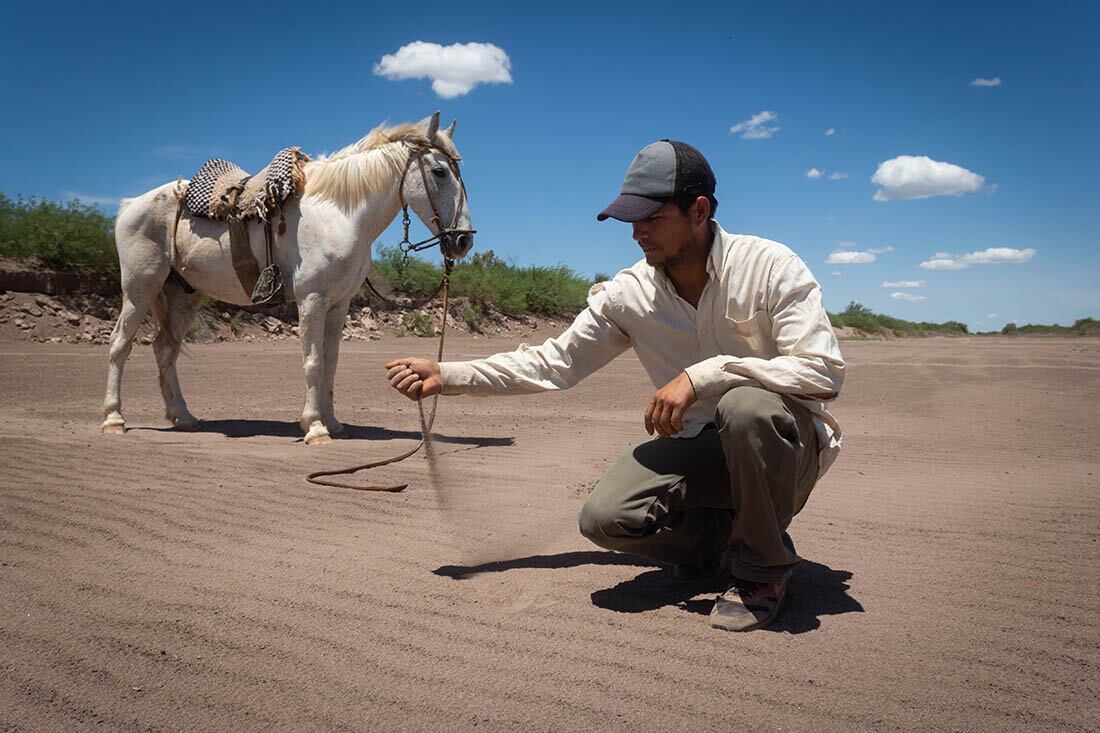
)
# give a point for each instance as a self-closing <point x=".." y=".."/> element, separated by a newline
<point x="451" y="130"/>
<point x="433" y="126"/>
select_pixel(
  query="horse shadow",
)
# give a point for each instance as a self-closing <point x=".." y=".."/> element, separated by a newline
<point x="814" y="590"/>
<point x="245" y="428"/>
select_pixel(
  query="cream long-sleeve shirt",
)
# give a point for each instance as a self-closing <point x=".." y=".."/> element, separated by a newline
<point x="760" y="322"/>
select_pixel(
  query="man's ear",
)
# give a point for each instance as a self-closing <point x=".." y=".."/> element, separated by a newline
<point x="701" y="209"/>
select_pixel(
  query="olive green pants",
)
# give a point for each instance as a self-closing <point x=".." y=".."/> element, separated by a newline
<point x="737" y="485"/>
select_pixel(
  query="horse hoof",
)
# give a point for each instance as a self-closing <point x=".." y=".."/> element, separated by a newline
<point x="114" y="428"/>
<point x="317" y="435"/>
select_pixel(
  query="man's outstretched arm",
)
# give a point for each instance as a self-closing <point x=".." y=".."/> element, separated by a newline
<point x="589" y="343"/>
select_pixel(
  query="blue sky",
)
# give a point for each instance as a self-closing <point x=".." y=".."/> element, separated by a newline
<point x="108" y="101"/>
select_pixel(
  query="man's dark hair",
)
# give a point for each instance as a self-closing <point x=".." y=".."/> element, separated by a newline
<point x="694" y="178"/>
<point x="684" y="202"/>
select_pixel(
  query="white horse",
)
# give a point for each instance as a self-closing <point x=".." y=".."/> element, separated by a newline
<point x="350" y="197"/>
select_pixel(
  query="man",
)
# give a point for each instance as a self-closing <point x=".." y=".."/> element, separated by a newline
<point x="732" y="330"/>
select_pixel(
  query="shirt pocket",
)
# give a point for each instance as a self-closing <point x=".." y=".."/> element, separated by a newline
<point x="753" y="335"/>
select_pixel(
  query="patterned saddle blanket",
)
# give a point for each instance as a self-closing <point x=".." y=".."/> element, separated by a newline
<point x="223" y="190"/>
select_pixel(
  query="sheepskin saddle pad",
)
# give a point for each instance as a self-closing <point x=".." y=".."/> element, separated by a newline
<point x="223" y="190"/>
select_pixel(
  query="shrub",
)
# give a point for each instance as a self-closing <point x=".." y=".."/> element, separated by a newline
<point x="62" y="236"/>
<point x="473" y="316"/>
<point x="863" y="318"/>
<point x="486" y="279"/>
<point x="419" y="323"/>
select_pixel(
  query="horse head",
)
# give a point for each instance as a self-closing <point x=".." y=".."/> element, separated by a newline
<point x="433" y="188"/>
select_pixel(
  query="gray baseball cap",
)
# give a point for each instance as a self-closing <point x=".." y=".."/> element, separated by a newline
<point x="659" y="172"/>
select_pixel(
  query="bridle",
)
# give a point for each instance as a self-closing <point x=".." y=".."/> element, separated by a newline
<point x="446" y="236"/>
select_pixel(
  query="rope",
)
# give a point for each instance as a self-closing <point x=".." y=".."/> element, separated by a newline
<point x="425" y="422"/>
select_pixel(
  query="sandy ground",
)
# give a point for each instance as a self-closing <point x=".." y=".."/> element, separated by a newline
<point x="195" y="581"/>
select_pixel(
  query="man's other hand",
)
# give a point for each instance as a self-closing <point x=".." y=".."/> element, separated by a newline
<point x="415" y="378"/>
<point x="665" y="412"/>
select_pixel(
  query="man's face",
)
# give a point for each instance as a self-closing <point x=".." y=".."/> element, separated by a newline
<point x="665" y="236"/>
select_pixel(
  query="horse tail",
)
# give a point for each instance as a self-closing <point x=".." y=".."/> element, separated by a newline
<point x="163" y="314"/>
<point x="164" y="318"/>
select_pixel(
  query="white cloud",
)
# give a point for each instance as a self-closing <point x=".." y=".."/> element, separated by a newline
<point x="815" y="173"/>
<point x="839" y="273"/>
<point x="903" y="283"/>
<point x="991" y="256"/>
<point x="992" y="315"/>
<point x="979" y="82"/>
<point x="849" y="257"/>
<point x="454" y="70"/>
<point x="846" y="254"/>
<point x="919" y="177"/>
<point x="998" y="255"/>
<point x="943" y="261"/>
<point x="908" y="297"/>
<point x="755" y="128"/>
<point x="831" y="131"/>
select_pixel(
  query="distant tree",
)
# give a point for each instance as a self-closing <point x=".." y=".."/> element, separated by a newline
<point x="1009" y="328"/>
<point x="857" y="309"/>
<point x="601" y="277"/>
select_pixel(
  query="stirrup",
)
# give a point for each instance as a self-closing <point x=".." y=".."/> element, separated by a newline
<point x="268" y="286"/>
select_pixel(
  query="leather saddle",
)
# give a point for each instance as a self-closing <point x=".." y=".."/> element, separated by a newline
<point x="223" y="191"/>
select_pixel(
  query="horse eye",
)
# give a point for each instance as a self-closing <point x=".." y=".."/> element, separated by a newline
<point x="439" y="171"/>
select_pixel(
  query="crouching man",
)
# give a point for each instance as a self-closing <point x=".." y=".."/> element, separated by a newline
<point x="733" y="333"/>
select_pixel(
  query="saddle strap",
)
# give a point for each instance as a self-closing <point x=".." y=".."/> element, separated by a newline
<point x="244" y="262"/>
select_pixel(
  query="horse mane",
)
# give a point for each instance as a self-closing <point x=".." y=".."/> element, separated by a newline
<point x="347" y="176"/>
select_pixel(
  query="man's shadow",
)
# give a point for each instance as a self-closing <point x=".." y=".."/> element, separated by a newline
<point x="814" y="590"/>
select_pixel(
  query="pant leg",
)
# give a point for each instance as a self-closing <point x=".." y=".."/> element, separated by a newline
<point x="770" y="448"/>
<point x="665" y="499"/>
<point x="738" y="485"/>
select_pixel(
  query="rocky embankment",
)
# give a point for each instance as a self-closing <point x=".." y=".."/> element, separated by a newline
<point x="90" y="318"/>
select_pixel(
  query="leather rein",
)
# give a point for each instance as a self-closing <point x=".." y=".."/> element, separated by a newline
<point x="442" y="238"/>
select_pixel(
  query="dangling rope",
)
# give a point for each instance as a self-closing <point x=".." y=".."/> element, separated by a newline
<point x="425" y="422"/>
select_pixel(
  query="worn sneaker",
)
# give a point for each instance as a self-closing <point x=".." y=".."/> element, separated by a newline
<point x="748" y="605"/>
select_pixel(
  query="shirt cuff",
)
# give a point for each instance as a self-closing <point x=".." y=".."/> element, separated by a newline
<point x="456" y="376"/>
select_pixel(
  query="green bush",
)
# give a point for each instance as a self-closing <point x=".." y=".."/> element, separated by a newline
<point x="1080" y="327"/>
<point x="861" y="317"/>
<point x="412" y="275"/>
<point x="419" y="323"/>
<point x="62" y="236"/>
<point x="485" y="280"/>
<point x="473" y="316"/>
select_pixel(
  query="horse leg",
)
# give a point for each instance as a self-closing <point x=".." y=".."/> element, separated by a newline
<point x="311" y="327"/>
<point x="175" y="315"/>
<point x="334" y="329"/>
<point x="138" y="293"/>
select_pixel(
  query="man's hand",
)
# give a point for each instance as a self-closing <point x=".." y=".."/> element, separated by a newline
<point x="665" y="412"/>
<point x="415" y="378"/>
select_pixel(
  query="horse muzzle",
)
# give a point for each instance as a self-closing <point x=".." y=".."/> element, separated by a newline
<point x="456" y="244"/>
